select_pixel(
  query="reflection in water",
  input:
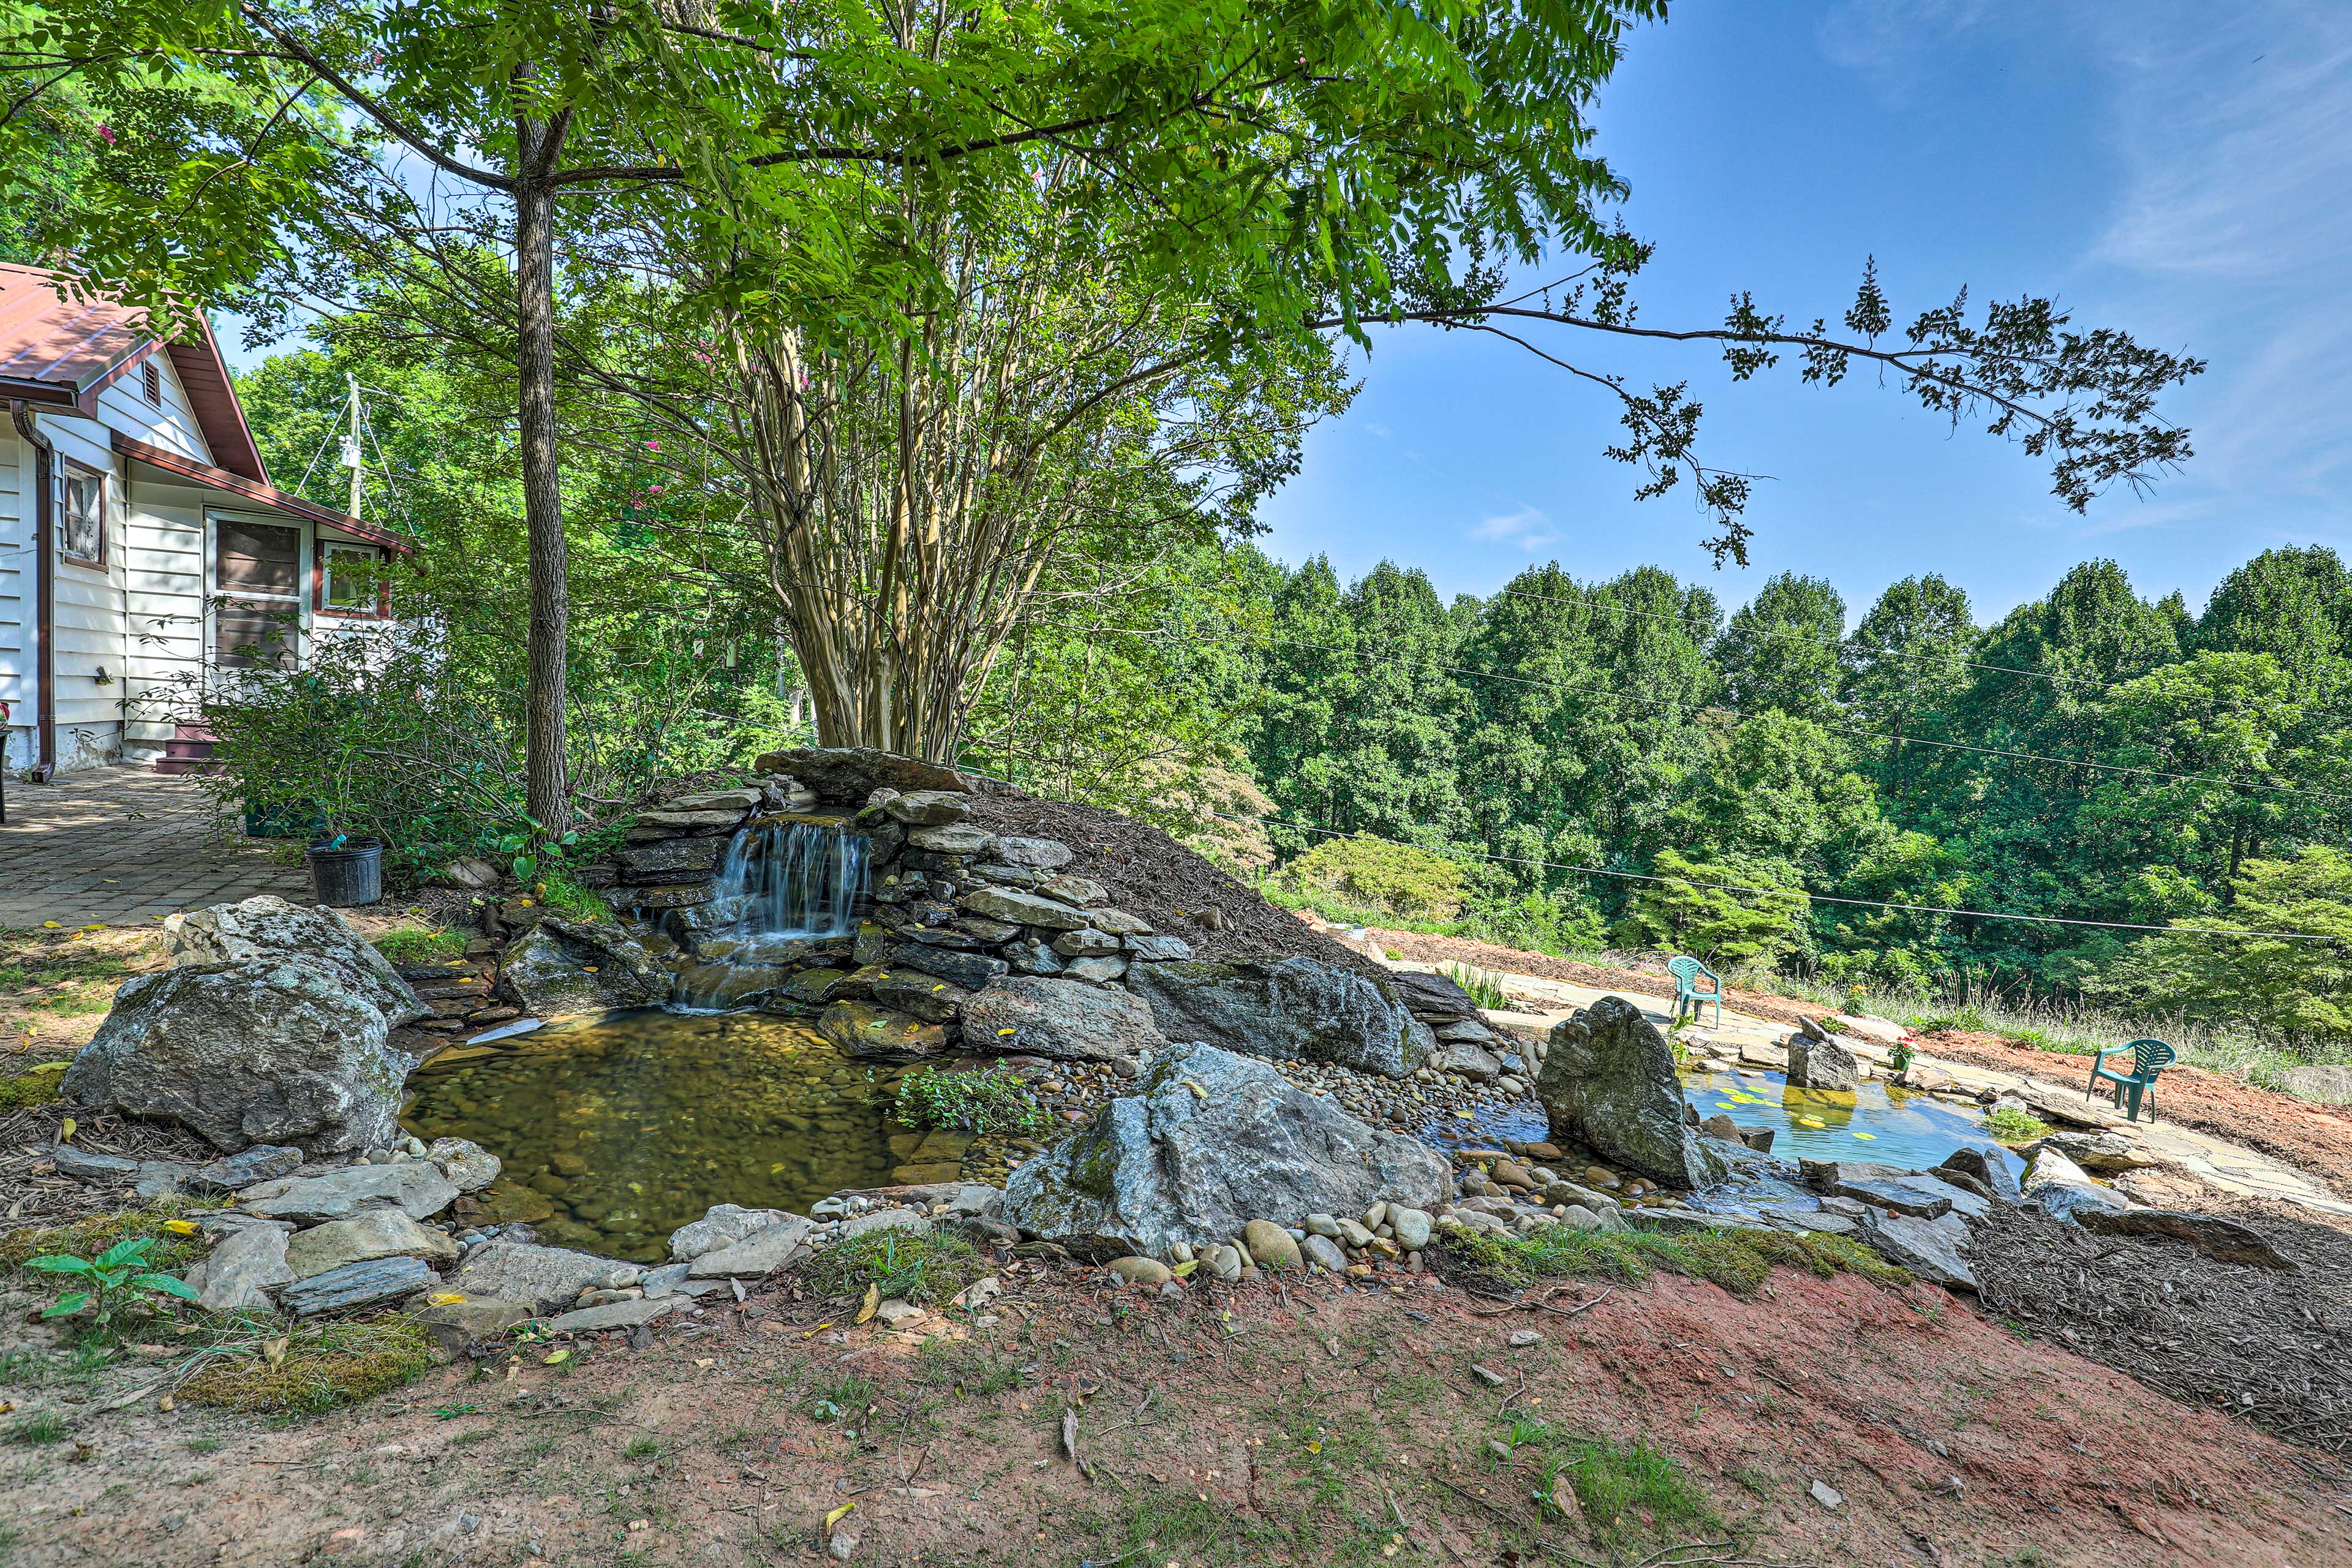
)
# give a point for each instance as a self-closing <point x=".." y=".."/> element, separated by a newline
<point x="635" y="1124"/>
<point x="1875" y="1121"/>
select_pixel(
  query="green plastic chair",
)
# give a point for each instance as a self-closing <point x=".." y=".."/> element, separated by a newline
<point x="2149" y="1057"/>
<point x="1686" y="971"/>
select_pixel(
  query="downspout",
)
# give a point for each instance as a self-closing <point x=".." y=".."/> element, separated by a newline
<point x="44" y="590"/>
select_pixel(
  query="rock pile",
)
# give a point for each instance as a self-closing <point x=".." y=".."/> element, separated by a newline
<point x="969" y="941"/>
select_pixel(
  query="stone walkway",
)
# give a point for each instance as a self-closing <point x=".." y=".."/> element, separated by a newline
<point x="126" y="846"/>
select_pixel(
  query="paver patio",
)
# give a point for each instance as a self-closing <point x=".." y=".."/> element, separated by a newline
<point x="125" y="846"/>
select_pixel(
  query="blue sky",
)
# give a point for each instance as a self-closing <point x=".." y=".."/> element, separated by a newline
<point x="2181" y="170"/>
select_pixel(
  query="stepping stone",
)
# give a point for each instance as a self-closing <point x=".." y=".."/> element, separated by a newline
<point x="357" y="1285"/>
<point x="614" y="1315"/>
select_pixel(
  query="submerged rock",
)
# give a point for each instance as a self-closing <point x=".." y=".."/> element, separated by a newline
<point x="1609" y="1081"/>
<point x="879" y="1034"/>
<point x="1212" y="1140"/>
<point x="261" y="1050"/>
<point x="560" y="966"/>
<point x="1284" y="1008"/>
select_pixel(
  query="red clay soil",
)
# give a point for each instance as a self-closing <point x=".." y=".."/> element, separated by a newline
<point x="1251" y="1425"/>
<point x="2314" y="1138"/>
<point x="1422" y="949"/>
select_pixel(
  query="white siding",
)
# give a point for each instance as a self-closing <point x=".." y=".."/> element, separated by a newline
<point x="163" y="560"/>
<point x="89" y="610"/>
<point x="16" y="597"/>
<point x="125" y="406"/>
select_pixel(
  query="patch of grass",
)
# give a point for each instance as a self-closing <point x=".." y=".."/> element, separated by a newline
<point x="1737" y="1260"/>
<point x="323" y="1368"/>
<point x="91" y="1235"/>
<point x="973" y="1373"/>
<point x="843" y="1399"/>
<point x="991" y="1100"/>
<point x="1486" y="989"/>
<point x="1619" y="1484"/>
<point x="201" y="1444"/>
<point x="45" y="1426"/>
<point x="1171" y="1524"/>
<point x="565" y="897"/>
<point x="34" y="959"/>
<point x="642" y="1448"/>
<point x="418" y="944"/>
<point x="2010" y="1125"/>
<point x="924" y="1270"/>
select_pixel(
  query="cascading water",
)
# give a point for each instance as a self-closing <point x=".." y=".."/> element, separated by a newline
<point x="779" y="885"/>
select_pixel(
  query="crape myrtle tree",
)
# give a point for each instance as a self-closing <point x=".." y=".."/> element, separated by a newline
<point x="845" y="199"/>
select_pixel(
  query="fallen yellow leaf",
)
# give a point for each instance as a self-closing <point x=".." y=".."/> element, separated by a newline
<point x="1181" y="1270"/>
<point x="444" y="1299"/>
<point x="52" y="925"/>
<point x="65" y="1129"/>
<point x="552" y="1357"/>
<point x="180" y="1226"/>
<point x="815" y="1332"/>
<point x="865" y="1309"/>
<point x="837" y="1515"/>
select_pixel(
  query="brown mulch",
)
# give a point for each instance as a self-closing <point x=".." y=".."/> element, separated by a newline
<point x="1422" y="949"/>
<point x="2264" y="1345"/>
<point x="32" y="1192"/>
<point x="2314" y="1138"/>
<point x="1151" y="875"/>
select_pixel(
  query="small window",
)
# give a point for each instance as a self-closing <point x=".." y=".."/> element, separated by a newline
<point x="84" y="538"/>
<point x="150" y="382"/>
<point x="352" y="579"/>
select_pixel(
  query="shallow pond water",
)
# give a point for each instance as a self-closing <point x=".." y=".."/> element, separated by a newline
<point x="634" y="1124"/>
<point x="1876" y="1123"/>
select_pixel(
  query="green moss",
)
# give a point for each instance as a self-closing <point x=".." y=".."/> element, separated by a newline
<point x="1091" y="1167"/>
<point x="323" y="1368"/>
<point x="1739" y="1260"/>
<point x="36" y="1087"/>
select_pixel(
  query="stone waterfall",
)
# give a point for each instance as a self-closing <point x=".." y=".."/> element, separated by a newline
<point x="781" y="886"/>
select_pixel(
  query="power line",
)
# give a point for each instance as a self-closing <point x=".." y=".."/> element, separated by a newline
<point x="1619" y="703"/>
<point x="1816" y="898"/>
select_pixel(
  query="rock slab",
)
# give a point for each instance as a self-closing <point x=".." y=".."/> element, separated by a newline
<point x="1211" y="1141"/>
<point x="415" y="1188"/>
<point x="1284" y="1008"/>
<point x="358" y="1285"/>
<point x="547" y="1278"/>
<point x="1067" y="1020"/>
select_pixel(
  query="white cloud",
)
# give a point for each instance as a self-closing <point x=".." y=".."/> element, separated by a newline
<point x="1528" y="528"/>
<point x="1895" y="44"/>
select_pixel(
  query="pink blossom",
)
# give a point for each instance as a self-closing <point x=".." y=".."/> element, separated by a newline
<point x="653" y="446"/>
<point x="106" y="134"/>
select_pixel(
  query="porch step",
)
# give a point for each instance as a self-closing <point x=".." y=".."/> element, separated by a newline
<point x="189" y="750"/>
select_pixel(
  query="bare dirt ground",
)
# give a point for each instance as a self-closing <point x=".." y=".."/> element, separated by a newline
<point x="1242" y="1425"/>
<point x="1422" y="949"/>
<point x="2316" y="1139"/>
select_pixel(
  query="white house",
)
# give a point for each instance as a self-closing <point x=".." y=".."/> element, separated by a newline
<point x="141" y="542"/>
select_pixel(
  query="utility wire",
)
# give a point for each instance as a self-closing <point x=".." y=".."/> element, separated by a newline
<point x="1816" y="898"/>
<point x="1619" y="703"/>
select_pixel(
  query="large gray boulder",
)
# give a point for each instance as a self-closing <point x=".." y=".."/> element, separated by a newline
<point x="1609" y="1082"/>
<point x="267" y="927"/>
<point x="1066" y="1019"/>
<point x="1823" y="1065"/>
<point x="1211" y="1141"/>
<point x="1284" y="1008"/>
<point x="560" y="966"/>
<point x="262" y="1050"/>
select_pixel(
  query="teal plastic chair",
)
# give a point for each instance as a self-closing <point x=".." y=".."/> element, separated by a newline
<point x="2149" y="1057"/>
<point x="1686" y="971"/>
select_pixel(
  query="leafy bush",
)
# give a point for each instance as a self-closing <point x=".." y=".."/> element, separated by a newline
<point x="1719" y="925"/>
<point x="1379" y="879"/>
<point x="993" y="1101"/>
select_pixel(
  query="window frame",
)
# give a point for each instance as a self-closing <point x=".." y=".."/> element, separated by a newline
<point x="321" y="549"/>
<point x="217" y="598"/>
<point x="68" y="472"/>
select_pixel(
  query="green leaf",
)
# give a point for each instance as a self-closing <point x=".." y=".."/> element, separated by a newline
<point x="58" y="1263"/>
<point x="170" y="1285"/>
<point x="129" y="1251"/>
<point x="64" y="1304"/>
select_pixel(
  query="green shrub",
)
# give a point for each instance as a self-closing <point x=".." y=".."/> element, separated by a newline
<point x="1379" y="879"/>
<point x="993" y="1101"/>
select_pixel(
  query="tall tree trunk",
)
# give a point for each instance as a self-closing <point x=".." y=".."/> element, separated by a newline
<point x="547" y="787"/>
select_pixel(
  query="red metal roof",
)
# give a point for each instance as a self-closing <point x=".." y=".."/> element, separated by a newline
<point x="253" y="489"/>
<point x="60" y="351"/>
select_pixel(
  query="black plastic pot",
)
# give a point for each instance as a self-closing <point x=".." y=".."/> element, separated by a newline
<point x="345" y="874"/>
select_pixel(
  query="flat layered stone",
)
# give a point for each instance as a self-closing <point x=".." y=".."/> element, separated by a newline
<point x="928" y="808"/>
<point x="970" y="970"/>
<point x="549" y="1278"/>
<point x="1927" y="1247"/>
<point x="245" y="1266"/>
<point x="918" y="994"/>
<point x="722" y="817"/>
<point x="671" y="859"/>
<point x="1017" y="907"/>
<point x="722" y="1226"/>
<point x="2224" y="1240"/>
<point x="249" y="1167"/>
<point x="456" y="1324"/>
<point x="358" y="1285"/>
<point x="880" y="1034"/>
<point x="1920" y="1196"/>
<point x="1067" y="1020"/>
<point x="1118" y="922"/>
<point x="418" y="1188"/>
<point x="951" y="838"/>
<point x="1042" y="854"/>
<point x="762" y="1252"/>
<point x="614" y="1315"/>
<point x="1158" y="949"/>
<point x="379" y="1233"/>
